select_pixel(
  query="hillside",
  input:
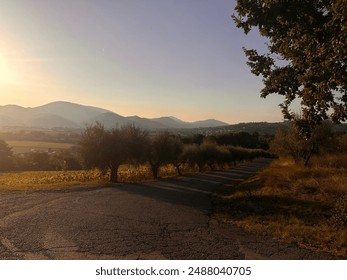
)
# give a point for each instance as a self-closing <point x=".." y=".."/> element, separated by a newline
<point x="66" y="115"/>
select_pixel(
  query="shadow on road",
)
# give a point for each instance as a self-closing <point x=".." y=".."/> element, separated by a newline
<point x="192" y="191"/>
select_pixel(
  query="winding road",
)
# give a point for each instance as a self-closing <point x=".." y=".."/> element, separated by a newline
<point x="162" y="219"/>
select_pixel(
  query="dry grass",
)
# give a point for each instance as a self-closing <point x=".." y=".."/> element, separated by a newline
<point x="55" y="179"/>
<point x="48" y="179"/>
<point x="140" y="173"/>
<point x="306" y="205"/>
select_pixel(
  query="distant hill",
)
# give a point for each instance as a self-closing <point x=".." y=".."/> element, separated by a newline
<point x="171" y="122"/>
<point x="48" y="121"/>
<point x="208" y="123"/>
<point x="63" y="114"/>
<point x="71" y="111"/>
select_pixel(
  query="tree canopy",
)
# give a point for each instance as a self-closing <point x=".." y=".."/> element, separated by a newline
<point x="164" y="148"/>
<point x="108" y="149"/>
<point x="307" y="54"/>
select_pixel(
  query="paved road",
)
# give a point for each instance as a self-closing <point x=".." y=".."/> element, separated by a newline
<point x="164" y="219"/>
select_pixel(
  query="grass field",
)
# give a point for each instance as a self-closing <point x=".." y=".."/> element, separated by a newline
<point x="307" y="206"/>
<point x="27" y="146"/>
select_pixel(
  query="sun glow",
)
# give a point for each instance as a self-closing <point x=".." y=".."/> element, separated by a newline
<point x="22" y="81"/>
<point x="6" y="75"/>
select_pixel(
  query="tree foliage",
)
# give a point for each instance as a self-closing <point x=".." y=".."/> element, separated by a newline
<point x="306" y="57"/>
<point x="164" y="148"/>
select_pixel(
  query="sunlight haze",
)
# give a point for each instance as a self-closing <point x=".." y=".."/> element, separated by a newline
<point x="148" y="58"/>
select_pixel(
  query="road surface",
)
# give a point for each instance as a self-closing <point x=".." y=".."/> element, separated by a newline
<point x="163" y="219"/>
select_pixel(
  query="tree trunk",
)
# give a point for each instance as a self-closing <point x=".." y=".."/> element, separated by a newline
<point x="114" y="174"/>
<point x="155" y="169"/>
<point x="212" y="167"/>
<point x="201" y="167"/>
<point x="309" y="155"/>
<point x="178" y="169"/>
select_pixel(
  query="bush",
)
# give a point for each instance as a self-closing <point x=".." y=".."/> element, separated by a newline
<point x="294" y="144"/>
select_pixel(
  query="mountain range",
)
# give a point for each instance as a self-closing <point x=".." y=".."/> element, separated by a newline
<point x="61" y="114"/>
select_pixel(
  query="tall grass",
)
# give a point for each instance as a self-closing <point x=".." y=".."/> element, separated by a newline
<point x="306" y="205"/>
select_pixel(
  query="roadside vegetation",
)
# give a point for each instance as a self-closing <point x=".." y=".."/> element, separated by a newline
<point x="107" y="150"/>
<point x="126" y="154"/>
<point x="294" y="202"/>
<point x="33" y="180"/>
<point x="301" y="197"/>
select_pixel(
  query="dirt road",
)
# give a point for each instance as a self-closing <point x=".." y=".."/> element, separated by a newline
<point x="164" y="219"/>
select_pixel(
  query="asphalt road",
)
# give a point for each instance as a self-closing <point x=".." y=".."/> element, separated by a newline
<point x="163" y="219"/>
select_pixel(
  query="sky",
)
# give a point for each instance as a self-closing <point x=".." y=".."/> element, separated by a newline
<point x="150" y="58"/>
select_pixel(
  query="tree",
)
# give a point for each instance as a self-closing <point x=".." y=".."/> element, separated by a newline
<point x="6" y="156"/>
<point x="307" y="55"/>
<point x="191" y="154"/>
<point x="208" y="153"/>
<point x="177" y="153"/>
<point x="211" y="154"/>
<point x="163" y="149"/>
<point x="108" y="149"/>
<point x="137" y="142"/>
<point x="290" y="143"/>
<point x="92" y="147"/>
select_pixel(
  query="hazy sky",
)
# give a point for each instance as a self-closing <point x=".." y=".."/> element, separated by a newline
<point x="151" y="58"/>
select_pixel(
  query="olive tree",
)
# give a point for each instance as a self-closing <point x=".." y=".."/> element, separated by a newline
<point x="164" y="148"/>
<point x="108" y="149"/>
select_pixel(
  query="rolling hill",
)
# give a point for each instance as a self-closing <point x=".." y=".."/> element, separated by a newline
<point x="63" y="114"/>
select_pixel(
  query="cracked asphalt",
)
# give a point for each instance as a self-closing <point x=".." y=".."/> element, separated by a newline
<point x="163" y="219"/>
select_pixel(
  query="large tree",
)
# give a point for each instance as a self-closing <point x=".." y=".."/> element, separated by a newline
<point x="306" y="58"/>
<point x="108" y="149"/>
